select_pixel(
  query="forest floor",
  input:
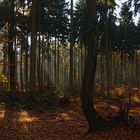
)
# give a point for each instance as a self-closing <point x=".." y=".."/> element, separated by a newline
<point x="58" y="124"/>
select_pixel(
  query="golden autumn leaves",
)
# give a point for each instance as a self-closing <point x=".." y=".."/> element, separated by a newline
<point x="3" y="83"/>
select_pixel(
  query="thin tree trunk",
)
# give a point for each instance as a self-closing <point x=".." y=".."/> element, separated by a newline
<point x="21" y="72"/>
<point x="55" y="63"/>
<point x="26" y="63"/>
<point x="58" y="67"/>
<point x="39" y="59"/>
<point x="42" y="62"/>
<point x="137" y="73"/>
<point x="71" y="50"/>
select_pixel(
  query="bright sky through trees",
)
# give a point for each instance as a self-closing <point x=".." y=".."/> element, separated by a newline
<point x="119" y="2"/>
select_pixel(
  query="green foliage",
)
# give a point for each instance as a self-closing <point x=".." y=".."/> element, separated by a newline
<point x="81" y="23"/>
<point x="126" y="14"/>
<point x="105" y="11"/>
<point x="53" y="16"/>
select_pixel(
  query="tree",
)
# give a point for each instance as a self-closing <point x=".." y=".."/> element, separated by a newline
<point x="136" y="4"/>
<point x="71" y="47"/>
<point x="88" y="83"/>
<point x="33" y="46"/>
<point x="11" y="49"/>
<point x="81" y="22"/>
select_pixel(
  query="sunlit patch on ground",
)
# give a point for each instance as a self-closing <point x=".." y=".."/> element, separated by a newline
<point x="23" y="126"/>
<point x="2" y="113"/>
<point x="136" y="99"/>
<point x="25" y="117"/>
<point x="65" y="116"/>
<point x="115" y="107"/>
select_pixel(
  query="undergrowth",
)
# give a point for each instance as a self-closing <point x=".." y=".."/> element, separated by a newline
<point x="38" y="101"/>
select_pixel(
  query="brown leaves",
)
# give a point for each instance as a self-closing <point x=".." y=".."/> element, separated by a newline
<point x="64" y="125"/>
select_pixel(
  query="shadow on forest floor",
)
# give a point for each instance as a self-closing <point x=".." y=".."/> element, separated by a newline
<point x="64" y="124"/>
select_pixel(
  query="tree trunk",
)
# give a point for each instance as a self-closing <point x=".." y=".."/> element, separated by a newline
<point x="21" y="72"/>
<point x="42" y="62"/>
<point x="11" y="51"/>
<point x="26" y="63"/>
<point x="88" y="82"/>
<point x="71" y="50"/>
<point x="33" y="47"/>
<point x="58" y="67"/>
<point x="137" y="73"/>
<point x="39" y="61"/>
<point x="55" y="62"/>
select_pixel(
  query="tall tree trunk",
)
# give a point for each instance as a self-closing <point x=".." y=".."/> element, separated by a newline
<point x="55" y="61"/>
<point x="58" y="67"/>
<point x="110" y="54"/>
<point x="71" y="50"/>
<point x="39" y="62"/>
<point x="42" y="62"/>
<point x="107" y="54"/>
<point x="88" y="83"/>
<point x="5" y="60"/>
<point x="82" y="63"/>
<point x="33" y="47"/>
<point x="21" y="72"/>
<point x="79" y="67"/>
<point x="26" y="63"/>
<point x="137" y="73"/>
<point x="102" y="72"/>
<point x="11" y="51"/>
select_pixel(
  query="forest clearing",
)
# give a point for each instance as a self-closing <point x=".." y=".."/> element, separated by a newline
<point x="69" y="69"/>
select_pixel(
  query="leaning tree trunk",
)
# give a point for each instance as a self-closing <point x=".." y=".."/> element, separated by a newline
<point x="88" y="82"/>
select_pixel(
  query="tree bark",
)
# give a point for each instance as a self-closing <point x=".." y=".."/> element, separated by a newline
<point x="88" y="82"/>
<point x="33" y="48"/>
<point x="11" y="51"/>
<point x="26" y="62"/>
<point x="21" y="71"/>
<point x="71" y="50"/>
